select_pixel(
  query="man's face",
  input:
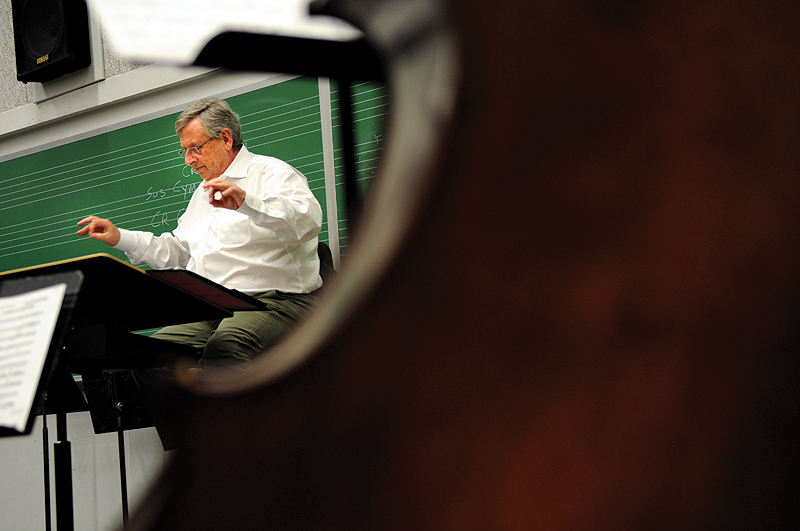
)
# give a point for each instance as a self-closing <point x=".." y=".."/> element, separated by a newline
<point x="214" y="155"/>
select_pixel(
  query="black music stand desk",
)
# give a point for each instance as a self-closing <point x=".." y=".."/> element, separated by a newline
<point x="106" y="301"/>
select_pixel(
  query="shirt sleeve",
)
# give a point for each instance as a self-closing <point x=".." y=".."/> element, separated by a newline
<point x="159" y="252"/>
<point x="286" y="206"/>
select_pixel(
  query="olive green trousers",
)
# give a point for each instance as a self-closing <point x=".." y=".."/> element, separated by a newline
<point x="239" y="338"/>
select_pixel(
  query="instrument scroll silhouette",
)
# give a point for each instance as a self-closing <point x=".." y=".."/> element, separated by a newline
<point x="571" y="301"/>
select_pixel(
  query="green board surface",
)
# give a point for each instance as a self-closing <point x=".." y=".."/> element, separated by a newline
<point x="136" y="177"/>
<point x="370" y="111"/>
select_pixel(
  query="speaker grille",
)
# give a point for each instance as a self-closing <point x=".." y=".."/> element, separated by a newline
<point x="42" y="28"/>
<point x="51" y="38"/>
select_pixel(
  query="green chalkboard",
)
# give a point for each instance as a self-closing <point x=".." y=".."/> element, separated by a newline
<point x="135" y="176"/>
<point x="370" y="111"/>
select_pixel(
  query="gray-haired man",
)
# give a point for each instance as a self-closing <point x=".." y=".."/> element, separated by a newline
<point x="252" y="226"/>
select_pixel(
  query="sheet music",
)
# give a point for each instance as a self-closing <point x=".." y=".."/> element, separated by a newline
<point x="174" y="31"/>
<point x="27" y="322"/>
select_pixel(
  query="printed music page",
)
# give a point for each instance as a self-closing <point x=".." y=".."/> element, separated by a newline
<point x="174" y="31"/>
<point x="27" y="323"/>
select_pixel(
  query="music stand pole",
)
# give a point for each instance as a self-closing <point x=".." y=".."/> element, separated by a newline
<point x="62" y="454"/>
<point x="48" y="524"/>
<point x="123" y="477"/>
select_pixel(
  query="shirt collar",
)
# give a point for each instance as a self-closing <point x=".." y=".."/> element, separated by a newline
<point x="238" y="168"/>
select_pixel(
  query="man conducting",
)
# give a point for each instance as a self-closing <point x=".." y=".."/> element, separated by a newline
<point x="252" y="226"/>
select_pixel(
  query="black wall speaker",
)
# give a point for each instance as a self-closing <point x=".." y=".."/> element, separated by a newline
<point x="51" y="38"/>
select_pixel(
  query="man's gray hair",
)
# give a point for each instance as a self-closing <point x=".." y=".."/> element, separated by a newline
<point x="215" y="115"/>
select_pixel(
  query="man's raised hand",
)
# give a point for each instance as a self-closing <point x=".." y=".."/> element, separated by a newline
<point x="99" y="229"/>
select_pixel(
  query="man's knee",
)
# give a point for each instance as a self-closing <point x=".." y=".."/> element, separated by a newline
<point x="232" y="344"/>
<point x="226" y="347"/>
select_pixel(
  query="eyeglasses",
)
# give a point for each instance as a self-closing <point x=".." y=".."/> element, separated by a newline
<point x="194" y="150"/>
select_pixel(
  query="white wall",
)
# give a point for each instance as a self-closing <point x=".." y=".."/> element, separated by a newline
<point x="96" y="476"/>
<point x="16" y="94"/>
<point x="129" y="98"/>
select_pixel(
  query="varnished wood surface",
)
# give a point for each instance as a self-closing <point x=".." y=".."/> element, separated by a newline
<point x="588" y="318"/>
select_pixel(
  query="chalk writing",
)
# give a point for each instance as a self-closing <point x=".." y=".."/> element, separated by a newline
<point x="155" y="194"/>
<point x="186" y="189"/>
<point x="159" y="218"/>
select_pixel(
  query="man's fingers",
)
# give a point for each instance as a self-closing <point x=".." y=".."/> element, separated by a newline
<point x="99" y="229"/>
<point x="88" y="228"/>
<point x="224" y="194"/>
<point x="93" y="225"/>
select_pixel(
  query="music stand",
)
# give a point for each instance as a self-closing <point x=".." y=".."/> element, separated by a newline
<point x="115" y="300"/>
<point x="56" y="391"/>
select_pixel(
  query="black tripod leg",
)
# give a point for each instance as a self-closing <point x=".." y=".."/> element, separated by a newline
<point x="48" y="524"/>
<point x="62" y="454"/>
<point x="123" y="475"/>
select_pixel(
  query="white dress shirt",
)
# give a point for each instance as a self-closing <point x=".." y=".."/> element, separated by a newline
<point x="269" y="243"/>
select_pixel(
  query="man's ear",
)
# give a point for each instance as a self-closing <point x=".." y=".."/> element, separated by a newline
<point x="227" y="138"/>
